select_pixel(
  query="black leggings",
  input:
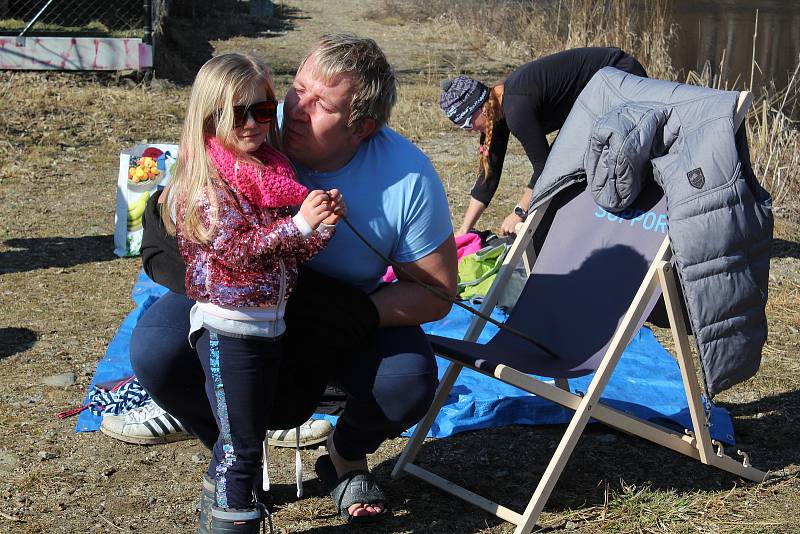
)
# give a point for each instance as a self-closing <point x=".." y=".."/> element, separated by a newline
<point x="240" y="386"/>
<point x="390" y="379"/>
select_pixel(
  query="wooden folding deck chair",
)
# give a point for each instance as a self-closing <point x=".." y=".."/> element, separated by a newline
<point x="585" y="304"/>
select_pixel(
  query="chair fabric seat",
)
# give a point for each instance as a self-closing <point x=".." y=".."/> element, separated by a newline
<point x="588" y="271"/>
<point x="514" y="352"/>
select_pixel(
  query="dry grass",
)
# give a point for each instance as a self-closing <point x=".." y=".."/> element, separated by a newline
<point x="64" y="295"/>
<point x="521" y="31"/>
<point x="774" y="139"/>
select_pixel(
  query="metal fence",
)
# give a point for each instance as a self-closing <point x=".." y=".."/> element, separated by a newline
<point x="148" y="20"/>
<point x="112" y="17"/>
<point x="73" y="17"/>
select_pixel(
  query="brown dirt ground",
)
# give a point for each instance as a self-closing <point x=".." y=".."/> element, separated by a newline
<point x="64" y="294"/>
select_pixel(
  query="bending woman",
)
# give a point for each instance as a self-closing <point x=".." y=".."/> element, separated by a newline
<point x="532" y="102"/>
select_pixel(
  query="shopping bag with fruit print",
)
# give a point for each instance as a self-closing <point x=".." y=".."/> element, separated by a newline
<point x="142" y="170"/>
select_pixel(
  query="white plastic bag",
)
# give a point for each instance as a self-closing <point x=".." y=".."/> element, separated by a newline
<point x="142" y="170"/>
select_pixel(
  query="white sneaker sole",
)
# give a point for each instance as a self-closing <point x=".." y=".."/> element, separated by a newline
<point x="147" y="440"/>
<point x="304" y="442"/>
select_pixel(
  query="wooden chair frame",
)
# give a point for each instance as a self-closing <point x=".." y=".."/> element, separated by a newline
<point x="697" y="444"/>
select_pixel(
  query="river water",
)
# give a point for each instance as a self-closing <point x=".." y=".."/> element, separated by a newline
<point x="707" y="28"/>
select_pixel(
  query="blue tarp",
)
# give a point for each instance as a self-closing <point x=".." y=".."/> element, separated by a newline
<point x="646" y="382"/>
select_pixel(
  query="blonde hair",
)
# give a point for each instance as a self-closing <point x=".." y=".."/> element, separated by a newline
<point x="219" y="83"/>
<point x="493" y="112"/>
<point x="361" y="60"/>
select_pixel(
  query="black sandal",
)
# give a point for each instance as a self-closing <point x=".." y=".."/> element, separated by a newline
<point x="355" y="487"/>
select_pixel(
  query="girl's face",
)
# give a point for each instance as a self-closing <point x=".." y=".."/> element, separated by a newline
<point x="251" y="134"/>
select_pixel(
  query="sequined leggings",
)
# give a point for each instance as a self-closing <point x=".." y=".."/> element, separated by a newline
<point x="240" y="385"/>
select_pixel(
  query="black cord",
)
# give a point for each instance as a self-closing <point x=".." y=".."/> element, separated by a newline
<point x="447" y="297"/>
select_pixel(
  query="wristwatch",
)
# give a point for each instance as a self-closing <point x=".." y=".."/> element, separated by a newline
<point x="520" y="212"/>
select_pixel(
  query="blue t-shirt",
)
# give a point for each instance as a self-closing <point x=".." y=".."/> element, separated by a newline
<point x="394" y="198"/>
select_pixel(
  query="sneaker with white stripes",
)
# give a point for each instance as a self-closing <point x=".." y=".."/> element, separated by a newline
<point x="312" y="432"/>
<point x="146" y="425"/>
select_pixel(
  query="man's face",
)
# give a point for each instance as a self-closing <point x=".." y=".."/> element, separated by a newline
<point x="315" y="132"/>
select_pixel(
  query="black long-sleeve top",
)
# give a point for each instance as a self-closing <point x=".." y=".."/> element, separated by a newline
<point x="161" y="259"/>
<point x="537" y="98"/>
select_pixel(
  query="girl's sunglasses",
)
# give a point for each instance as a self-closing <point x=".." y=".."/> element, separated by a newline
<point x="262" y="112"/>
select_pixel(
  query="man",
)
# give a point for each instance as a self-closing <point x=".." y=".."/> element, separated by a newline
<point x="334" y="131"/>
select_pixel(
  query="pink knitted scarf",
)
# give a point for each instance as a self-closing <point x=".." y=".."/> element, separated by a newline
<point x="272" y="186"/>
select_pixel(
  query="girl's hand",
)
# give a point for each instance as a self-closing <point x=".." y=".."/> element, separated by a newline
<point x="338" y="208"/>
<point x="316" y="208"/>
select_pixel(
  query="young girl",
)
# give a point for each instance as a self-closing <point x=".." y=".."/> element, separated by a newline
<point x="230" y="197"/>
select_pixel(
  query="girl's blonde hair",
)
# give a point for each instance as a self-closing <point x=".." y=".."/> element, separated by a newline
<point x="220" y="82"/>
<point x="493" y="112"/>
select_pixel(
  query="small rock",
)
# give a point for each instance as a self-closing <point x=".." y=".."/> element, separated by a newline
<point x="198" y="458"/>
<point x="60" y="380"/>
<point x="8" y="461"/>
<point x="157" y="84"/>
<point x="127" y="83"/>
<point x="46" y="455"/>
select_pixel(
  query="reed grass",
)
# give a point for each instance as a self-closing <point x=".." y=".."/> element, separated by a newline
<point x="525" y="30"/>
<point x="520" y="31"/>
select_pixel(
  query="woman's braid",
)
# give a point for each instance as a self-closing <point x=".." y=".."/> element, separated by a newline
<point x="490" y="111"/>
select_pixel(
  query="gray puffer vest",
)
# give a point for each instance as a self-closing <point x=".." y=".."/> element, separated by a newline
<point x="625" y="131"/>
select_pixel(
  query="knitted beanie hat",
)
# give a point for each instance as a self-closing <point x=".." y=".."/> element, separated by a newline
<point x="461" y="96"/>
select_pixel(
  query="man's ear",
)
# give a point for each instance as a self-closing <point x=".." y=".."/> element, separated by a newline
<point x="362" y="130"/>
